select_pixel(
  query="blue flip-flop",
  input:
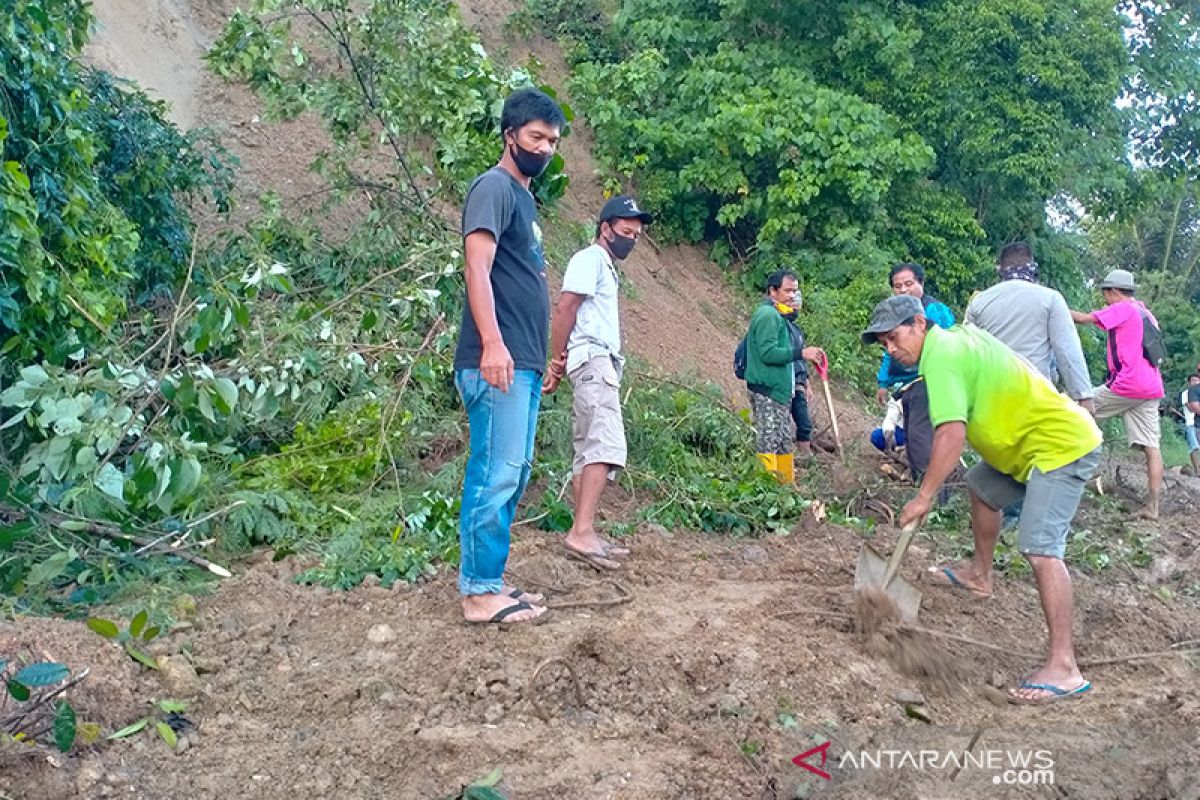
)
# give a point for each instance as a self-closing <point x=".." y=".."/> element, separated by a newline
<point x="1056" y="693"/>
<point x="955" y="583"/>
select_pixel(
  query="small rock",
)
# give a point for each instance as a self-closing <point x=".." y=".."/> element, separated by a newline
<point x="654" y="529"/>
<point x="370" y="581"/>
<point x="729" y="704"/>
<point x="494" y="714"/>
<point x="1178" y="782"/>
<point x="907" y="696"/>
<point x="997" y="680"/>
<point x="1163" y="568"/>
<point x="994" y="696"/>
<point x="89" y="774"/>
<point x="181" y="745"/>
<point x="178" y="676"/>
<point x="381" y="634"/>
<point x="755" y="554"/>
<point x="581" y="716"/>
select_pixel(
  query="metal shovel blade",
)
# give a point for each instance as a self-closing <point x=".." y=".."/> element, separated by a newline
<point x="872" y="569"/>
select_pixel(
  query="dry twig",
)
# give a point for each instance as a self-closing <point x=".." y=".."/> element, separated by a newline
<point x="624" y="595"/>
<point x="531" y="687"/>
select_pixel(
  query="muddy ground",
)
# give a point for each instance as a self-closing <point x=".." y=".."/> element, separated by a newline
<point x="720" y="668"/>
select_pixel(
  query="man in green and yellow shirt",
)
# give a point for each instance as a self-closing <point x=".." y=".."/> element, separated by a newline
<point x="1037" y="445"/>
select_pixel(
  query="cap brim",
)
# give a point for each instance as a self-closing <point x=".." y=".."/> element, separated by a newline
<point x="871" y="337"/>
<point x="645" y="217"/>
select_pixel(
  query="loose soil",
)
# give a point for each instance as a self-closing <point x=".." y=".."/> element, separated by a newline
<point x="701" y="674"/>
<point x="729" y="659"/>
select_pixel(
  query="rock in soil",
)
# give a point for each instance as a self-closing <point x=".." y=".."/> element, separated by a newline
<point x="178" y="676"/>
<point x="381" y="634"/>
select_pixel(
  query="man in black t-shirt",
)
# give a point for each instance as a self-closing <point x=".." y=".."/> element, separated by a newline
<point x="501" y="353"/>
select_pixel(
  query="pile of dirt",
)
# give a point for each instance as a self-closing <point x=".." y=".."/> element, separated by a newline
<point x="701" y="685"/>
<point x="112" y="694"/>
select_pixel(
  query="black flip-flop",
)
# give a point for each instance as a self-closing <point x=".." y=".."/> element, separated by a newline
<point x="500" y="618"/>
<point x="516" y="593"/>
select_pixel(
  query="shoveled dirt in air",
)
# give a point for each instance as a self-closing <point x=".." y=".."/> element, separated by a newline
<point x="731" y="658"/>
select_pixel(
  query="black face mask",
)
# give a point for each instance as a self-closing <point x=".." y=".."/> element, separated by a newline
<point x="529" y="163"/>
<point x="620" y="246"/>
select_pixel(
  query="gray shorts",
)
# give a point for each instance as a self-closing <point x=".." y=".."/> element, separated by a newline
<point x="597" y="430"/>
<point x="1051" y="500"/>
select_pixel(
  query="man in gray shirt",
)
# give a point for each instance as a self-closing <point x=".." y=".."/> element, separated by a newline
<point x="1034" y="321"/>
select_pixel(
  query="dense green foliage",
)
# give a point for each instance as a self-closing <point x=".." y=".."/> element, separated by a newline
<point x="285" y="383"/>
<point x="91" y="192"/>
<point x="839" y="138"/>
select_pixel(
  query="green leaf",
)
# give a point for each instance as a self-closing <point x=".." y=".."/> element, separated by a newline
<point x="168" y="735"/>
<point x="64" y="726"/>
<point x="87" y="732"/>
<point x="206" y="407"/>
<point x="186" y="477"/>
<point x="137" y="623"/>
<point x="110" y="481"/>
<point x="491" y="779"/>
<point x="173" y="706"/>
<point x="482" y="793"/>
<point x="106" y="628"/>
<point x="140" y="656"/>
<point x="129" y="730"/>
<point x="44" y="673"/>
<point x="34" y="375"/>
<point x="51" y="568"/>
<point x="18" y="690"/>
<point x="226" y="395"/>
<point x="150" y="634"/>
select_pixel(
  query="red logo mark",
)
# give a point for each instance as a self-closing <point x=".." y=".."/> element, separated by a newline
<point x="801" y="760"/>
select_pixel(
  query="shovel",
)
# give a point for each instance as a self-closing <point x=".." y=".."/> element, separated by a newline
<point x="874" y="570"/>
<point x="822" y="367"/>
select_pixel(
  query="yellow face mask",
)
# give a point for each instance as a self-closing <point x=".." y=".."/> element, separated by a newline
<point x="784" y="309"/>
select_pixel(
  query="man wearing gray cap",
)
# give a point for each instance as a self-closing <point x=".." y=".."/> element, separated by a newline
<point x="1037" y="446"/>
<point x="585" y="340"/>
<point x="1134" y="386"/>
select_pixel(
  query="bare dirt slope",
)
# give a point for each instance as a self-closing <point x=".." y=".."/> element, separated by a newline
<point x="680" y="316"/>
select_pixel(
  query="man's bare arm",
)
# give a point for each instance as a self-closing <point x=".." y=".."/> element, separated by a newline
<point x="948" y="441"/>
<point x="565" y="314"/>
<point x="1081" y="318"/>
<point x="495" y="365"/>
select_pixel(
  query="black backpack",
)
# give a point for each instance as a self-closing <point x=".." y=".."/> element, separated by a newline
<point x="739" y="360"/>
<point x="1153" y="348"/>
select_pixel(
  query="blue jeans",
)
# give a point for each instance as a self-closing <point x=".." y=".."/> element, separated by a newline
<point x="503" y="425"/>
<point x="1189" y="433"/>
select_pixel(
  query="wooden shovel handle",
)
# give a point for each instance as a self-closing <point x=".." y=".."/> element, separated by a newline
<point x="893" y="565"/>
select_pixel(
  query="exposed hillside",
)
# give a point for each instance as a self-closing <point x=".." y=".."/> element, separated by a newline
<point x="679" y="313"/>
